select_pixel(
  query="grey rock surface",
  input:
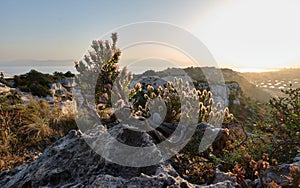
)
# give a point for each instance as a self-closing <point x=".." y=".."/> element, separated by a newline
<point x="70" y="162"/>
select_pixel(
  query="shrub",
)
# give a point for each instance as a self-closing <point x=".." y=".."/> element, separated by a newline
<point x="99" y="67"/>
<point x="35" y="82"/>
<point x="286" y="111"/>
<point x="61" y="75"/>
<point x="39" y="90"/>
<point x="175" y="96"/>
<point x="286" y="128"/>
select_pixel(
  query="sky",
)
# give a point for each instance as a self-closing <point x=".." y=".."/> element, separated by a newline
<point x="240" y="34"/>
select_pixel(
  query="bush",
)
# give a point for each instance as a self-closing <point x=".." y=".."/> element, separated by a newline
<point x="61" y="75"/>
<point x="286" y="111"/>
<point x="39" y="90"/>
<point x="99" y="67"/>
<point x="172" y="95"/>
<point x="286" y="126"/>
<point x="35" y="82"/>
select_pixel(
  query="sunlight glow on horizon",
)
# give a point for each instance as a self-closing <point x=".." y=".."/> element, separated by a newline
<point x="153" y="56"/>
<point x="252" y="34"/>
<point x="244" y="70"/>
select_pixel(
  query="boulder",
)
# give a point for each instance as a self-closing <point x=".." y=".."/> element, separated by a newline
<point x="70" y="162"/>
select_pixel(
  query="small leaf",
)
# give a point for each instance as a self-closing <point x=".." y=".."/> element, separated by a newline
<point x="295" y="115"/>
<point x="298" y="102"/>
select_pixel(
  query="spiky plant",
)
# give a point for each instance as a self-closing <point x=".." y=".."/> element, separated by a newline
<point x="102" y="83"/>
<point x="97" y="73"/>
<point x="177" y="98"/>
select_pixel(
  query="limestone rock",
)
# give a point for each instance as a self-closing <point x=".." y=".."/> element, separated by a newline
<point x="70" y="162"/>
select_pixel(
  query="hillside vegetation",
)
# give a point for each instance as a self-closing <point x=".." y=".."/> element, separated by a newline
<point x="253" y="138"/>
<point x="38" y="83"/>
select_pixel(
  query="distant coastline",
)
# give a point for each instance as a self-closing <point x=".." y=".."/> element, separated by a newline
<point x="50" y="66"/>
<point x="45" y="66"/>
<point x="43" y="69"/>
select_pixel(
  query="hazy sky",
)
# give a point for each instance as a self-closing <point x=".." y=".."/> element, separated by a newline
<point x="239" y="34"/>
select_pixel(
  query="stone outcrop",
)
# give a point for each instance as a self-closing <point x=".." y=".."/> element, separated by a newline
<point x="68" y="82"/>
<point x="70" y="162"/>
<point x="58" y="89"/>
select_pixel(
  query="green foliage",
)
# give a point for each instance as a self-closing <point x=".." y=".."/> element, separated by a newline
<point x="38" y="83"/>
<point x="35" y="82"/>
<point x="254" y="146"/>
<point x="273" y="140"/>
<point x="39" y="90"/>
<point x="61" y="75"/>
<point x="37" y="77"/>
<point x="286" y="110"/>
<point x="286" y="128"/>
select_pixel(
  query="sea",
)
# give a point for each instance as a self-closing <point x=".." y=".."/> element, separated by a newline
<point x="12" y="67"/>
<point x="13" y="70"/>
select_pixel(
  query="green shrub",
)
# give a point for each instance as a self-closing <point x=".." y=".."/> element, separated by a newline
<point x="35" y="82"/>
<point x="39" y="90"/>
<point x="286" y="128"/>
<point x="286" y="111"/>
<point x="61" y="75"/>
